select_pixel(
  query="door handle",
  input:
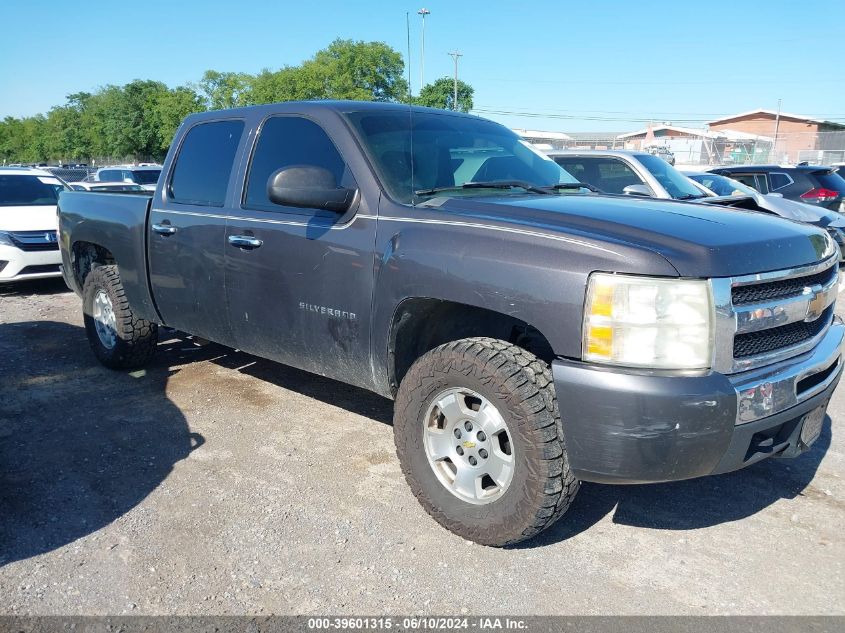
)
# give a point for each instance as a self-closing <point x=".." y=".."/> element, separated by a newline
<point x="246" y="242"/>
<point x="164" y="229"/>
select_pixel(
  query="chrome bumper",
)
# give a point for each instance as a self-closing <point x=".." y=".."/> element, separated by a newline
<point x="769" y="390"/>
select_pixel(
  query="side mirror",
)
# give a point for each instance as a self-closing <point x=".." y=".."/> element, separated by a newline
<point x="638" y="190"/>
<point x="308" y="187"/>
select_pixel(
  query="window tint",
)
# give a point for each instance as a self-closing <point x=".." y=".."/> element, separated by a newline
<point x="611" y="175"/>
<point x="748" y="179"/>
<point x="202" y="169"/>
<point x="778" y="180"/>
<point x="109" y="174"/>
<point x="29" y="190"/>
<point x="286" y="141"/>
<point x="832" y="180"/>
<point x="145" y="176"/>
<point x="414" y="155"/>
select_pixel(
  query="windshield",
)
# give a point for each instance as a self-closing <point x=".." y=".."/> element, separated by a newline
<point x="146" y="176"/>
<point x="674" y="182"/>
<point x="723" y="186"/>
<point x="17" y="190"/>
<point x="449" y="151"/>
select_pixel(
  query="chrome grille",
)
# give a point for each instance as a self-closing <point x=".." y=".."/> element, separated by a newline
<point x="765" y="341"/>
<point x="768" y="317"/>
<point x="743" y="295"/>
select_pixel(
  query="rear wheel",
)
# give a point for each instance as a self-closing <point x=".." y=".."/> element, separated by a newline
<point x="480" y="441"/>
<point x="119" y="339"/>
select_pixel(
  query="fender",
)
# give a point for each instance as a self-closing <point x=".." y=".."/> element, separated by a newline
<point x="533" y="274"/>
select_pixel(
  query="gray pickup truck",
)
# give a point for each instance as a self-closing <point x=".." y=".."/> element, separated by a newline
<point x="532" y="333"/>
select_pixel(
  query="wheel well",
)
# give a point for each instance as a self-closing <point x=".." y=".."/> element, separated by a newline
<point x="85" y="257"/>
<point x="421" y="324"/>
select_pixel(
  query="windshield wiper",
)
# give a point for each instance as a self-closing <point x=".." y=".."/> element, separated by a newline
<point x="490" y="184"/>
<point x="691" y="196"/>
<point x="574" y="185"/>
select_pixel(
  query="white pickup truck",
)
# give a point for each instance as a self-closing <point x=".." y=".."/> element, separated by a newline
<point x="29" y="247"/>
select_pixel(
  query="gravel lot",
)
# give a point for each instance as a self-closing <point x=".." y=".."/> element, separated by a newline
<point x="215" y="482"/>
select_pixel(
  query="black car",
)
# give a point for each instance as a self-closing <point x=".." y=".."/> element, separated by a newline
<point x="812" y="184"/>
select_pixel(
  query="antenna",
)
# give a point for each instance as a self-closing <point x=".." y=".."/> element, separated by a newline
<point x="456" y="55"/>
<point x="408" y="32"/>
<point x="410" y="105"/>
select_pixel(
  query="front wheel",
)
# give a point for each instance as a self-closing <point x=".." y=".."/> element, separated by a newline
<point x="119" y="339"/>
<point x="480" y="441"/>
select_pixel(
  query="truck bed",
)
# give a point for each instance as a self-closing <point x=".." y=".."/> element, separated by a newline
<point x="116" y="222"/>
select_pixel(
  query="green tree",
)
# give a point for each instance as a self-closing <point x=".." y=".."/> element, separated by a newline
<point x="441" y="94"/>
<point x="167" y="112"/>
<point x="370" y="71"/>
<point x="346" y="69"/>
<point x="224" y="89"/>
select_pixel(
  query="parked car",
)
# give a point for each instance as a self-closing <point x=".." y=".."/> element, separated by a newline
<point x="29" y="247"/>
<point x="812" y="184"/>
<point x="533" y="335"/>
<point x="661" y="151"/>
<point x="830" y="221"/>
<point x="145" y="175"/>
<point x="628" y="172"/>
<point x="106" y="186"/>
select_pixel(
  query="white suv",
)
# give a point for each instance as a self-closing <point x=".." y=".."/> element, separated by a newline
<point x="29" y="247"/>
<point x="145" y="175"/>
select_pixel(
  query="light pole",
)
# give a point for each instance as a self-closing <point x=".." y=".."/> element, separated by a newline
<point x="423" y="12"/>
<point x="456" y="55"/>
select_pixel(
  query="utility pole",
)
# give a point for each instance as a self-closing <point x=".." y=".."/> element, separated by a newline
<point x="777" y="126"/>
<point x="408" y="33"/>
<point x="456" y="55"/>
<point x="423" y="12"/>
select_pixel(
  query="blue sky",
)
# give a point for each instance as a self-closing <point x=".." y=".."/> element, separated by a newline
<point x="607" y="65"/>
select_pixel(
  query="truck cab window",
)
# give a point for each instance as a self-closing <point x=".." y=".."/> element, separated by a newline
<point x="285" y="141"/>
<point x="204" y="164"/>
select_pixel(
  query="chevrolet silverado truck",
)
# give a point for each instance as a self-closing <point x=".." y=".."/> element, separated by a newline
<point x="532" y="333"/>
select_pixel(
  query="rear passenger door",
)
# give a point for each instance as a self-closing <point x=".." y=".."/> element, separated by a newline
<point x="187" y="227"/>
<point x="302" y="294"/>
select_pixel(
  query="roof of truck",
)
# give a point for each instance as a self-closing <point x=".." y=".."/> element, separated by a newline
<point x="302" y="107"/>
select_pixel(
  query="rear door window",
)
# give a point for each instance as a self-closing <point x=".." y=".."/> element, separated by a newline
<point x="779" y="180"/>
<point x="756" y="181"/>
<point x="204" y="164"/>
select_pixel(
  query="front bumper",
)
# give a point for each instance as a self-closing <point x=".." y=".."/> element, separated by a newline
<point x="20" y="265"/>
<point x="639" y="427"/>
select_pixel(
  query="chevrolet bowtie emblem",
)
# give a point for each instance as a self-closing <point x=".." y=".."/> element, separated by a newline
<point x="816" y="305"/>
<point x="469" y="444"/>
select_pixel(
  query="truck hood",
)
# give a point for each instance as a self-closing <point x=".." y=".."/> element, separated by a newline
<point x="31" y="218"/>
<point x="698" y="240"/>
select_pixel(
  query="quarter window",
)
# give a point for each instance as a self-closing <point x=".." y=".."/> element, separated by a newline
<point x="202" y="169"/>
<point x="779" y="180"/>
<point x="285" y="141"/>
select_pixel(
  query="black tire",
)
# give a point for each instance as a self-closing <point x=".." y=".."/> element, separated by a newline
<point x="521" y="387"/>
<point x="136" y="338"/>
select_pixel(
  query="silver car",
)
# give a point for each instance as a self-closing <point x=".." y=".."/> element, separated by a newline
<point x="628" y="173"/>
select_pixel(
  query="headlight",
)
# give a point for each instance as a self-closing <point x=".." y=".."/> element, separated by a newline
<point x="5" y="239"/>
<point x="648" y="322"/>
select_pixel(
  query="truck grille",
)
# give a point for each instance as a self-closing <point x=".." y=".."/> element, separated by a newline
<point x="767" y="317"/>
<point x="755" y="343"/>
<point x="773" y="290"/>
<point x="35" y="240"/>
